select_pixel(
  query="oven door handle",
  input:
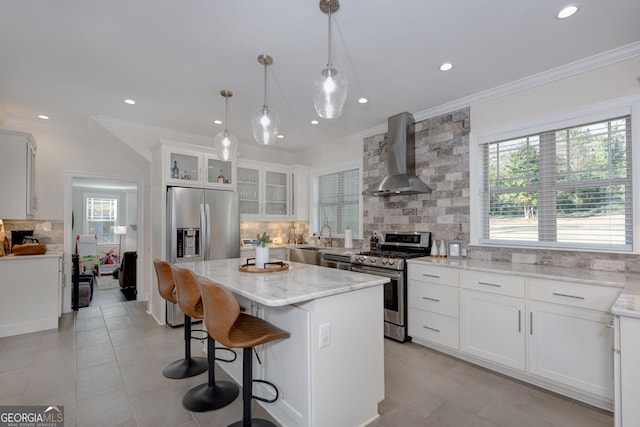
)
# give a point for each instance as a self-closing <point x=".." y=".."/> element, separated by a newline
<point x="376" y="271"/>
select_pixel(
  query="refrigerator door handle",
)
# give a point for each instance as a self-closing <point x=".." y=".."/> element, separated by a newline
<point x="206" y="217"/>
<point x="203" y="233"/>
<point x="172" y="230"/>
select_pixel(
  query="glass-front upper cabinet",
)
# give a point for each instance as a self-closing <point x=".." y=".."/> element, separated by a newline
<point x="276" y="194"/>
<point x="194" y="168"/>
<point x="264" y="194"/>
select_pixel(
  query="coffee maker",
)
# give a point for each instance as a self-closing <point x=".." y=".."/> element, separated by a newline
<point x="18" y="237"/>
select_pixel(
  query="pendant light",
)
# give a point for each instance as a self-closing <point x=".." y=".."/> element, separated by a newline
<point x="264" y="121"/>
<point x="330" y="87"/>
<point x="225" y="142"/>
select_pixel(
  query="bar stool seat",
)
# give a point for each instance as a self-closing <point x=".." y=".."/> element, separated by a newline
<point x="212" y="394"/>
<point x="189" y="366"/>
<point x="225" y="322"/>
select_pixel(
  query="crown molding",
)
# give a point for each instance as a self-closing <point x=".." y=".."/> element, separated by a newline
<point x="578" y="67"/>
<point x="32" y="125"/>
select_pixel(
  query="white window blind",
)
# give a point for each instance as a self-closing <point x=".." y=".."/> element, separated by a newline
<point x="567" y="188"/>
<point x="101" y="217"/>
<point x="336" y="201"/>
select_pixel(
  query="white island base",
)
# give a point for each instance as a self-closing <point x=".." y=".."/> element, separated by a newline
<point x="339" y="384"/>
<point x="330" y="371"/>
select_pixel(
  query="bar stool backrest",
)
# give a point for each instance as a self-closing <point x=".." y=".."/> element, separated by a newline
<point x="166" y="284"/>
<point x="221" y="310"/>
<point x="188" y="292"/>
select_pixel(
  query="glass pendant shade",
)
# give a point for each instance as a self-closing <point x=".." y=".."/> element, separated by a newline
<point x="330" y="87"/>
<point x="265" y="123"/>
<point x="225" y="142"/>
<point x="226" y="145"/>
<point x="330" y="93"/>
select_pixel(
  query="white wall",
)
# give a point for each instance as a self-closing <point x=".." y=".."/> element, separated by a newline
<point x="95" y="152"/>
<point x="610" y="82"/>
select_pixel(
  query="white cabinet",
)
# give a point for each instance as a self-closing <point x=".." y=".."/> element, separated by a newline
<point x="264" y="191"/>
<point x="569" y="341"/>
<point x="17" y="172"/>
<point x="571" y="346"/>
<point x="190" y="166"/>
<point x="629" y="375"/>
<point x="433" y="305"/>
<point x="492" y="313"/>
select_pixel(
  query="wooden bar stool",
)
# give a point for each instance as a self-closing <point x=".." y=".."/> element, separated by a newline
<point x="189" y="366"/>
<point x="225" y="322"/>
<point x="212" y="394"/>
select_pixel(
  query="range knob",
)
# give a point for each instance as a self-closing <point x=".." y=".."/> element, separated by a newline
<point x="373" y="260"/>
<point x="392" y="261"/>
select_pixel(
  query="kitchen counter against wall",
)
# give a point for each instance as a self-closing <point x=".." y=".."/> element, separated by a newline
<point x="30" y="293"/>
<point x="627" y="304"/>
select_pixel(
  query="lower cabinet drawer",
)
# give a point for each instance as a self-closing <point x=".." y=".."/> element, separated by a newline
<point x="434" y="327"/>
<point x="435" y="298"/>
<point x="593" y="297"/>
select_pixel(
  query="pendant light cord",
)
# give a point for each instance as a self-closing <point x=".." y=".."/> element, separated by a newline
<point x="329" y="49"/>
<point x="265" y="86"/>
<point x="226" y="114"/>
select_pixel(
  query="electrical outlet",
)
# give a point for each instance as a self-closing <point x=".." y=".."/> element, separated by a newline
<point x="324" y="335"/>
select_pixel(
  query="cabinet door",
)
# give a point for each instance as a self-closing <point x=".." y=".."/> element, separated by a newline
<point x="184" y="168"/>
<point x="249" y="192"/>
<point x="571" y="346"/>
<point x="276" y="194"/>
<point x="492" y="327"/>
<point x="219" y="173"/>
<point x="630" y="378"/>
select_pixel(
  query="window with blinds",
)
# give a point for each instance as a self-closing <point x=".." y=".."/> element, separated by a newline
<point x="567" y="188"/>
<point x="101" y="217"/>
<point x="336" y="201"/>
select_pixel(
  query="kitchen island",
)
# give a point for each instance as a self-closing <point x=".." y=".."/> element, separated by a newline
<point x="330" y="371"/>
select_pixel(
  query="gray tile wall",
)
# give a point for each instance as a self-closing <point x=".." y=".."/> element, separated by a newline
<point x="442" y="161"/>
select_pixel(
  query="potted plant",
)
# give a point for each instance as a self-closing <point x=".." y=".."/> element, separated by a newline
<point x="262" y="250"/>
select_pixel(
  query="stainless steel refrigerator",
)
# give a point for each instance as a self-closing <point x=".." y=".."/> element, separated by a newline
<point x="201" y="225"/>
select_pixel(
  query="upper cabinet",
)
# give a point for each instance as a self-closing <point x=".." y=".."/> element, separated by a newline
<point x="17" y="171"/>
<point x="190" y="166"/>
<point x="265" y="191"/>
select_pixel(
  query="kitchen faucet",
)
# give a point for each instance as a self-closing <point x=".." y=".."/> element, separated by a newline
<point x="330" y="238"/>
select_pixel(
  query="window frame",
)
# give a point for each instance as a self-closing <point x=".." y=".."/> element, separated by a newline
<point x="315" y="216"/>
<point x="85" y="219"/>
<point x="567" y="119"/>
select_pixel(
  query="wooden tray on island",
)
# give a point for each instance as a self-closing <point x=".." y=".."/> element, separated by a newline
<point x="270" y="267"/>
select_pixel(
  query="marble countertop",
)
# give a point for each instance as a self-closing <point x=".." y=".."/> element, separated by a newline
<point x="627" y="304"/>
<point x="302" y="282"/>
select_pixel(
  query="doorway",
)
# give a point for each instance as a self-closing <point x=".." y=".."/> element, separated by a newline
<point x="108" y="208"/>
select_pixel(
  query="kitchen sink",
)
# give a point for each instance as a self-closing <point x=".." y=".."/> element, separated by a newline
<point x="305" y="255"/>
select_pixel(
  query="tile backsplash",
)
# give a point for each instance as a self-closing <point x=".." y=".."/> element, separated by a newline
<point x="49" y="232"/>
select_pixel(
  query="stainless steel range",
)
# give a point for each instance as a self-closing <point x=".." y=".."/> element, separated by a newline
<point x="387" y="257"/>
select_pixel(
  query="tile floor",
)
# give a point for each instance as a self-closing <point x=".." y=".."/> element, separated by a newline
<point x="104" y="364"/>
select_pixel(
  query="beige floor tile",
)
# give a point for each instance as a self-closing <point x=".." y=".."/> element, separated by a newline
<point x="113" y="310"/>
<point x="16" y="357"/>
<point x="88" y="323"/>
<point x="118" y="322"/>
<point x="86" y="312"/>
<point x="47" y="383"/>
<point x="109" y="409"/>
<point x="401" y="416"/>
<point x="449" y="415"/>
<point x="159" y="406"/>
<point x="132" y="353"/>
<point x="128" y="335"/>
<point x="14" y="383"/>
<point x="144" y="376"/>
<point x="92" y="337"/>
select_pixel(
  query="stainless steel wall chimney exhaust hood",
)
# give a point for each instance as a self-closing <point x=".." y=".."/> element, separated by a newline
<point x="401" y="177"/>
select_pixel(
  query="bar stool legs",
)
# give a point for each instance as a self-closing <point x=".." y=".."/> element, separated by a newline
<point x="189" y="366"/>
<point x="247" y="393"/>
<point x="213" y="394"/>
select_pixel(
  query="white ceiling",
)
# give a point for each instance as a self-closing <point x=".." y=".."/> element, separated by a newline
<point x="74" y="60"/>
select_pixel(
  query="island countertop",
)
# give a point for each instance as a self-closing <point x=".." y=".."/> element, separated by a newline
<point x="300" y="283"/>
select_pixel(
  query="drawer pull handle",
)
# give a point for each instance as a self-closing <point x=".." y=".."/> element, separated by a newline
<point x="431" y="329"/>
<point x="431" y="275"/>
<point x="567" y="296"/>
<point x="531" y="323"/>
<point x="431" y="299"/>
<point x="490" y="284"/>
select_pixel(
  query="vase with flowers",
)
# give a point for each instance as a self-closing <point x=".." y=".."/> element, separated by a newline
<point x="262" y="250"/>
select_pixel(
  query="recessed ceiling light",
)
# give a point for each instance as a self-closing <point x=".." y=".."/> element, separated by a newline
<point x="567" y="12"/>
<point x="280" y="136"/>
<point x="218" y="122"/>
<point x="446" y="66"/>
<point x="129" y="101"/>
<point x="314" y="122"/>
<point x="363" y="100"/>
<point x="43" y="117"/>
